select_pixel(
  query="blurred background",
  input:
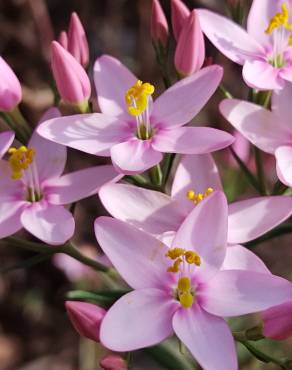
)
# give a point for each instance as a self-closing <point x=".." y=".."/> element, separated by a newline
<point x="35" y="333"/>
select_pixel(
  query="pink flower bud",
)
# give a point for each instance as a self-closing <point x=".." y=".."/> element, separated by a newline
<point x="86" y="318"/>
<point x="159" y="26"/>
<point x="63" y="39"/>
<point x="10" y="89"/>
<point x="190" y="50"/>
<point x="113" y="362"/>
<point x="277" y="321"/>
<point x="77" y="41"/>
<point x="179" y="15"/>
<point x="71" y="79"/>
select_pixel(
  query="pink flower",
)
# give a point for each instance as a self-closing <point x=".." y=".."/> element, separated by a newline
<point x="6" y="139"/>
<point x="264" y="49"/>
<point x="190" y="48"/>
<point x="86" y="318"/>
<point x="269" y="130"/>
<point x="33" y="192"/>
<point x="159" y="26"/>
<point x="63" y="39"/>
<point x="10" y="89"/>
<point x="179" y="16"/>
<point x="113" y="362"/>
<point x="158" y="213"/>
<point x="241" y="147"/>
<point x="277" y="322"/>
<point x="183" y="289"/>
<point x="77" y="40"/>
<point x="132" y="129"/>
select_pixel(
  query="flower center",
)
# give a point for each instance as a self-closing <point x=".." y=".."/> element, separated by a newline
<point x="22" y="166"/>
<point x="198" y="197"/>
<point x="137" y="100"/>
<point x="182" y="261"/>
<point x="281" y="29"/>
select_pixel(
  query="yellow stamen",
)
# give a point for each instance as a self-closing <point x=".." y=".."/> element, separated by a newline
<point x="279" y="19"/>
<point x="174" y="253"/>
<point x="192" y="257"/>
<point x="197" y="198"/>
<point x="19" y="160"/>
<point x="180" y="255"/>
<point x="176" y="265"/>
<point x="185" y="295"/>
<point x="137" y="97"/>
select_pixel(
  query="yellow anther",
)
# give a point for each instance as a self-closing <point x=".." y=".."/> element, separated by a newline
<point x="19" y="160"/>
<point x="208" y="191"/>
<point x="192" y="257"/>
<point x="185" y="295"/>
<point x="176" y="265"/>
<point x="191" y="195"/>
<point x="137" y="97"/>
<point x="186" y="300"/>
<point x="197" y="198"/>
<point x="279" y="19"/>
<point x="174" y="253"/>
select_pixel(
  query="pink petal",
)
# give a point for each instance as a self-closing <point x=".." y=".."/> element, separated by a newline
<point x="260" y="74"/>
<point x="284" y="164"/>
<point x="208" y="338"/>
<point x="277" y="322"/>
<point x="205" y="231"/>
<point x="251" y="218"/>
<point x="260" y="126"/>
<point x="10" y="212"/>
<point x="194" y="172"/>
<point x="139" y="319"/>
<point x="152" y="211"/>
<point x="79" y="184"/>
<point x="238" y="292"/>
<point x="138" y="256"/>
<point x="232" y="40"/>
<point x="112" y="80"/>
<point x="10" y="190"/>
<point x="240" y="258"/>
<point x="281" y="104"/>
<point x="134" y="156"/>
<point x="51" y="224"/>
<point x="91" y="133"/>
<point x="183" y="101"/>
<point x="191" y="140"/>
<point x="6" y="139"/>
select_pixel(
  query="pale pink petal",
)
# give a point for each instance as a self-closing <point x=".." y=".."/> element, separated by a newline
<point x="241" y="258"/>
<point x="232" y="40"/>
<point x="205" y="231"/>
<point x="248" y="219"/>
<point x="138" y="256"/>
<point x="10" y="212"/>
<point x="52" y="224"/>
<point x="284" y="164"/>
<point x="10" y="190"/>
<point x="194" y="172"/>
<point x="135" y="156"/>
<point x="183" y="101"/>
<point x="139" y="319"/>
<point x="281" y="104"/>
<point x="79" y="184"/>
<point x="277" y="321"/>
<point x="112" y="80"/>
<point x="6" y="139"/>
<point x="208" y="338"/>
<point x="260" y="74"/>
<point x="238" y="292"/>
<point x="191" y="140"/>
<point x="91" y="133"/>
<point x="260" y="126"/>
<point x="150" y="210"/>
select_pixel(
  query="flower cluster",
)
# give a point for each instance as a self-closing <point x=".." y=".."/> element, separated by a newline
<point x="182" y="252"/>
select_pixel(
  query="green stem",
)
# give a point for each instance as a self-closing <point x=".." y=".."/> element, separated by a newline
<point x="279" y="188"/>
<point x="18" y="132"/>
<point x="225" y="92"/>
<point x="20" y="122"/>
<point x="156" y="176"/>
<point x="169" y="159"/>
<point x="260" y="171"/>
<point x="161" y="53"/>
<point x="280" y="230"/>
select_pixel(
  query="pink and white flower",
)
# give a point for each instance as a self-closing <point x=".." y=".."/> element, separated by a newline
<point x="185" y="289"/>
<point x="132" y="129"/>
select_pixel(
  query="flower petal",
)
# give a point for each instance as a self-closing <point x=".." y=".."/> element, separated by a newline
<point x="281" y="104"/>
<point x="238" y="292"/>
<point x="241" y="258"/>
<point x="191" y="140"/>
<point x="194" y="172"/>
<point x="208" y="338"/>
<point x="79" y="184"/>
<point x="92" y="133"/>
<point x="152" y="211"/>
<point x="260" y="126"/>
<point x="6" y="139"/>
<point x="134" y="156"/>
<point x="232" y="40"/>
<point x="260" y="74"/>
<point x="124" y="244"/>
<point x="52" y="224"/>
<point x="112" y="80"/>
<point x="10" y="189"/>
<point x="284" y="164"/>
<point x="248" y="219"/>
<point x="139" y="319"/>
<point x="205" y="231"/>
<point x="10" y="212"/>
<point x="183" y="101"/>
